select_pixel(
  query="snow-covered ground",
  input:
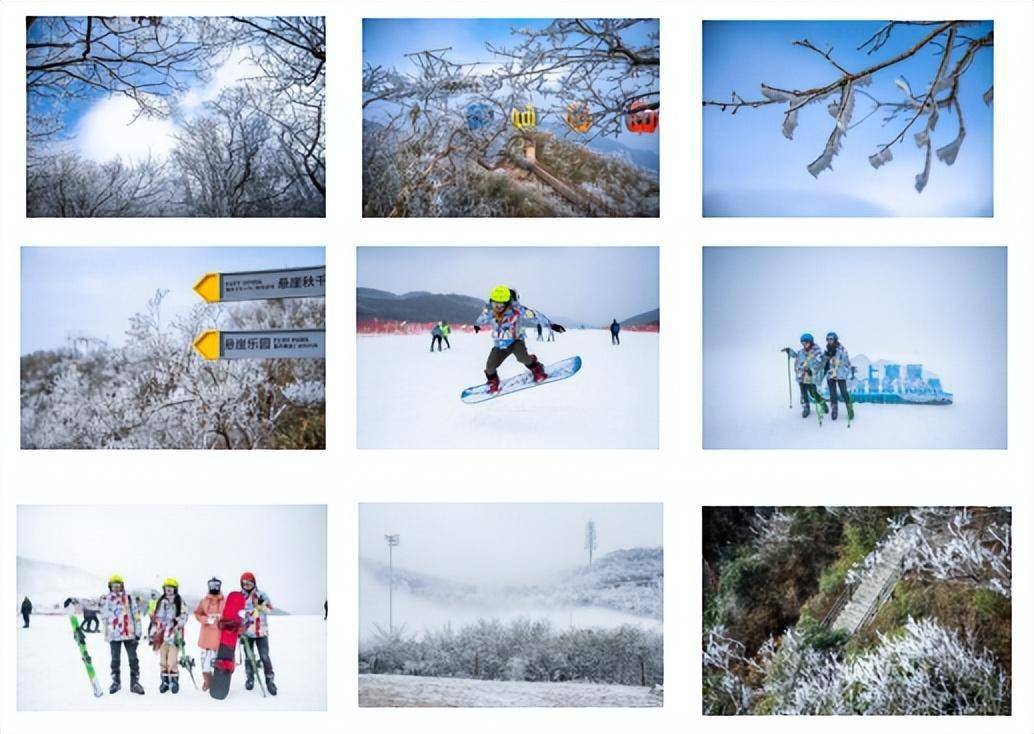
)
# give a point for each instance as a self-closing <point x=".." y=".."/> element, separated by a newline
<point x="51" y="676"/>
<point x="410" y="690"/>
<point x="410" y="398"/>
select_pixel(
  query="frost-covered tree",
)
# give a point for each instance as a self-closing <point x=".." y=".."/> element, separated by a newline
<point x="914" y="115"/>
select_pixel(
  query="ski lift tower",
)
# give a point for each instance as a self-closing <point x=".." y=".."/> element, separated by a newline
<point x="393" y="540"/>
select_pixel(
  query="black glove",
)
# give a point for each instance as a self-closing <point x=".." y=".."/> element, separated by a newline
<point x="557" y="328"/>
<point x="476" y="328"/>
<point x="787" y="350"/>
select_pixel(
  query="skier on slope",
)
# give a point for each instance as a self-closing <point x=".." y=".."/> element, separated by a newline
<point x="26" y="611"/>
<point x="838" y="372"/>
<point x="443" y="326"/>
<point x="436" y="336"/>
<point x="121" y="616"/>
<point x="90" y="621"/>
<point x="615" y="329"/>
<point x="167" y="622"/>
<point x="505" y="315"/>
<point x="255" y="631"/>
<point x="208" y="612"/>
<point x="808" y="364"/>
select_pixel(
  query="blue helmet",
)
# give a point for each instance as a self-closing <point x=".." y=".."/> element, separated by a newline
<point x="832" y="335"/>
<point x="806" y="337"/>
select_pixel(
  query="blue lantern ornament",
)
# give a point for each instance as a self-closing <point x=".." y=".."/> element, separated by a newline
<point x="478" y="115"/>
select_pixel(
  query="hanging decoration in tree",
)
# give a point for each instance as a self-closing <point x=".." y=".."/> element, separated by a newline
<point x="479" y="115"/>
<point x="578" y="117"/>
<point x="523" y="119"/>
<point x="643" y="117"/>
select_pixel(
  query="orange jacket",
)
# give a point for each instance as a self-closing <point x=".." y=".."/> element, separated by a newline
<point x="209" y="606"/>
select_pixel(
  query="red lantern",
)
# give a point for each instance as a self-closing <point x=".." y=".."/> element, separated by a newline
<point x="643" y="117"/>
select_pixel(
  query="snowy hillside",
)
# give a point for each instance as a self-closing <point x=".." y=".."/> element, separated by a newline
<point x="48" y="584"/>
<point x="409" y="398"/>
<point x="51" y="676"/>
<point x="406" y="690"/>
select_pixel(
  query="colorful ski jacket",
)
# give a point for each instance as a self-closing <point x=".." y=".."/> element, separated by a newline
<point x="436" y="330"/>
<point x="166" y="621"/>
<point x="256" y="607"/>
<point x="209" y="606"/>
<point x="508" y="325"/>
<point x="838" y="367"/>
<point x="121" y="616"/>
<point x="808" y="364"/>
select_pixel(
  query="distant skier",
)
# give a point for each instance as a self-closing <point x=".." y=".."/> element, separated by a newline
<point x="168" y="621"/>
<point x="26" y="611"/>
<point x="505" y="315"/>
<point x="538" y="332"/>
<point x="90" y="621"/>
<point x="121" y="629"/>
<point x="838" y="372"/>
<point x="443" y="326"/>
<point x="436" y="337"/>
<point x="808" y="362"/>
<point x="324" y="611"/>
<point x="615" y="329"/>
<point x="208" y="612"/>
<point x="255" y="632"/>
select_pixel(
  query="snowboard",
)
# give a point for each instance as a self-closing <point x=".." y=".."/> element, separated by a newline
<point x="80" y="640"/>
<point x="557" y="371"/>
<point x="230" y="628"/>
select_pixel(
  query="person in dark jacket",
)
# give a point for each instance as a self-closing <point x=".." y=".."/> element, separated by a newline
<point x="26" y="610"/>
<point x="615" y="329"/>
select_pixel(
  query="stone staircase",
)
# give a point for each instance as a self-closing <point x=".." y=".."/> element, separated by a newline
<point x="877" y="584"/>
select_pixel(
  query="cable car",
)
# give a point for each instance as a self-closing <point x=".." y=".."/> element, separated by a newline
<point x="643" y="117"/>
<point x="578" y="117"/>
<point x="523" y="119"/>
<point x="479" y="115"/>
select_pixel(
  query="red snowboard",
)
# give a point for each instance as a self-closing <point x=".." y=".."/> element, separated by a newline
<point x="230" y="626"/>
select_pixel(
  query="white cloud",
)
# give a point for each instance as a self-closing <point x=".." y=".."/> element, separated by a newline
<point x="108" y="131"/>
<point x="237" y="68"/>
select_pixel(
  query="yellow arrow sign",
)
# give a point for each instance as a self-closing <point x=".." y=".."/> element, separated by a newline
<point x="208" y="288"/>
<point x="207" y="345"/>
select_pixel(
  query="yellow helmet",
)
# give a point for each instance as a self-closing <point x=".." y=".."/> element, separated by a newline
<point x="115" y="579"/>
<point x="171" y="582"/>
<point x="500" y="294"/>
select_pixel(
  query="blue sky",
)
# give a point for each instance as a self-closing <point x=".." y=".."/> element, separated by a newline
<point x="387" y="40"/>
<point x="751" y="169"/>
<point x="593" y="284"/>
<point x="92" y="291"/>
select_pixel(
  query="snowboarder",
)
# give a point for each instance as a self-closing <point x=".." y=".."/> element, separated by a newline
<point x="255" y="632"/>
<point x="505" y="314"/>
<point x="838" y="372"/>
<point x="208" y="612"/>
<point x="443" y="326"/>
<point x="167" y="623"/>
<point x="615" y="329"/>
<point x="121" y="629"/>
<point x="26" y="611"/>
<point x="808" y="361"/>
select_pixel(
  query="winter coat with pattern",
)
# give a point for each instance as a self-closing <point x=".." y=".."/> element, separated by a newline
<point x="120" y="615"/>
<point x="808" y="364"/>
<point x="508" y="325"/>
<point x="166" y="622"/>
<point x="838" y="367"/>
<point x="256" y="607"/>
<point x="209" y="606"/>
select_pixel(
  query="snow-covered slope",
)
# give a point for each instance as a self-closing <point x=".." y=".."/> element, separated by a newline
<point x="51" y="676"/>
<point x="408" y="690"/>
<point x="409" y="398"/>
<point x="48" y="584"/>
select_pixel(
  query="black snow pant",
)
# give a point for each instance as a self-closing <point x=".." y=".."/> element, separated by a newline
<point x="614" y="338"/>
<point x="25" y="616"/>
<point x="538" y="331"/>
<point x="116" y="659"/>
<point x="497" y="356"/>
<point x="840" y="385"/>
<point x="262" y="643"/>
<point x="809" y="390"/>
<point x="90" y="622"/>
<point x="446" y="340"/>
<point x="436" y="339"/>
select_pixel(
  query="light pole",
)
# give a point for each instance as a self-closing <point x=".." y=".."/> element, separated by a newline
<point x="393" y="540"/>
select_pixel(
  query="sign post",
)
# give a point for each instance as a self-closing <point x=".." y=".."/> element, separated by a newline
<point x="283" y="344"/>
<point x="263" y="285"/>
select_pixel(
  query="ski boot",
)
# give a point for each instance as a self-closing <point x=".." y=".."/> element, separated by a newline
<point x="116" y="684"/>
<point x="538" y="372"/>
<point x="270" y="685"/>
<point x="806" y="410"/>
<point x="833" y="413"/>
<point x="174" y="683"/>
<point x="135" y="687"/>
<point x="493" y="383"/>
<point x="165" y="684"/>
<point x="206" y="681"/>
<point x="249" y="683"/>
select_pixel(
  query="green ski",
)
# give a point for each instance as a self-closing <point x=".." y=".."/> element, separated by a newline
<point x="80" y="639"/>
<point x="185" y="660"/>
<point x="250" y="654"/>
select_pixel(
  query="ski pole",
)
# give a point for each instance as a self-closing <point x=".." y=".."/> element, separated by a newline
<point x="789" y="383"/>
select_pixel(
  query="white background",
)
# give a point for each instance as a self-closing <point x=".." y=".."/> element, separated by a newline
<point x="680" y="474"/>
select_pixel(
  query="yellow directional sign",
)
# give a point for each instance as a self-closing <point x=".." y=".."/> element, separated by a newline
<point x="263" y="284"/>
<point x="272" y="344"/>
